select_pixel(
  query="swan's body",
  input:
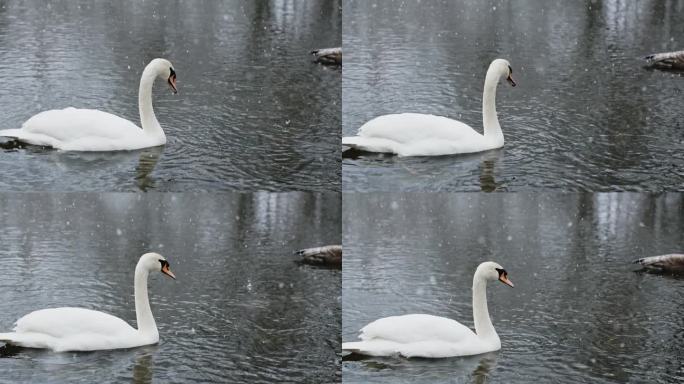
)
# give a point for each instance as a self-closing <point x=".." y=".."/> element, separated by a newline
<point x="78" y="329"/>
<point x="414" y="134"/>
<point x="72" y="129"/>
<point x="672" y="261"/>
<point x="329" y="56"/>
<point x="666" y="60"/>
<point x="326" y="255"/>
<point x="75" y="329"/>
<point x="420" y="335"/>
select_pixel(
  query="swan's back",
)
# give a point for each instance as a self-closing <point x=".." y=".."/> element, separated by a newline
<point x="65" y="322"/>
<point x="416" y="328"/>
<point x="71" y="123"/>
<point x="411" y="127"/>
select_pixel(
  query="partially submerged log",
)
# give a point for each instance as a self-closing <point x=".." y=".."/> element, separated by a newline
<point x="330" y="255"/>
<point x="328" y="56"/>
<point x="666" y="60"/>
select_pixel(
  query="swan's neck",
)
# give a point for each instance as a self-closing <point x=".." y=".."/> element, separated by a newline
<point x="143" y="312"/>
<point x="148" y="120"/>
<point x="483" y="324"/>
<point x="490" y="120"/>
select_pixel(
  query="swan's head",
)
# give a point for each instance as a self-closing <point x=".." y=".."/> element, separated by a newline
<point x="503" y="67"/>
<point x="164" y="70"/>
<point x="154" y="262"/>
<point x="492" y="271"/>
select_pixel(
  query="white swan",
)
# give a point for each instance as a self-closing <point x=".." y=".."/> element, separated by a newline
<point x="72" y="129"/>
<point x="78" y="329"/>
<point x="414" y="134"/>
<point x="431" y="336"/>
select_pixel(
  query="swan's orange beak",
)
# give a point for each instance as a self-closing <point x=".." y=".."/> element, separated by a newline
<point x="165" y="270"/>
<point x="504" y="279"/>
<point x="172" y="82"/>
<point x="510" y="80"/>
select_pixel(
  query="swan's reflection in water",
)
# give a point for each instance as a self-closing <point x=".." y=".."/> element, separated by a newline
<point x="149" y="158"/>
<point x="142" y="369"/>
<point x="487" y="364"/>
<point x="478" y="368"/>
<point x="489" y="161"/>
<point x="63" y="366"/>
<point x="441" y="172"/>
<point x="136" y="166"/>
<point x="487" y="181"/>
<point x="145" y="159"/>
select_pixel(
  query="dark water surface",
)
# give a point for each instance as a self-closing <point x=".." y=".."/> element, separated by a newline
<point x="579" y="312"/>
<point x="253" y="111"/>
<point x="585" y="115"/>
<point x="241" y="309"/>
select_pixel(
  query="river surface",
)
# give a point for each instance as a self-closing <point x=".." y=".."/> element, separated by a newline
<point x="586" y="114"/>
<point x="253" y="111"/>
<point x="240" y="310"/>
<point x="580" y="311"/>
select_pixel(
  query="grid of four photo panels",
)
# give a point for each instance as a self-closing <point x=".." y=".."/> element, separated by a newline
<point x="178" y="180"/>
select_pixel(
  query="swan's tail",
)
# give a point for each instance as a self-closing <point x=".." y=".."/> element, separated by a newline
<point x="371" y="144"/>
<point x="431" y="349"/>
<point x="374" y="348"/>
<point x="30" y="137"/>
<point x="27" y="340"/>
<point x="353" y="346"/>
<point x="13" y="133"/>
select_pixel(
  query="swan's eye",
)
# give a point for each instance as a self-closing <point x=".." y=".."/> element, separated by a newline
<point x="502" y="272"/>
<point x="164" y="263"/>
<point x="172" y="73"/>
<point x="510" y="70"/>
